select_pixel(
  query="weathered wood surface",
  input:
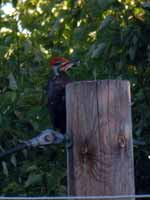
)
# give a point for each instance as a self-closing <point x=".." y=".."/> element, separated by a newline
<point x="100" y="161"/>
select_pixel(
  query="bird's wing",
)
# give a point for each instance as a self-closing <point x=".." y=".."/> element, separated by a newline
<point x="50" y="89"/>
<point x="50" y="94"/>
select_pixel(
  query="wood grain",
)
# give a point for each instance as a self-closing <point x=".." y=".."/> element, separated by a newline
<point x="99" y="122"/>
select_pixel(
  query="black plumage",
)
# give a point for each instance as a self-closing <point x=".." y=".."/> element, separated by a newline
<point x="56" y="91"/>
<point x="56" y="100"/>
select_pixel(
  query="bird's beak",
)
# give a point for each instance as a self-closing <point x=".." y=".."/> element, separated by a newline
<point x="68" y="65"/>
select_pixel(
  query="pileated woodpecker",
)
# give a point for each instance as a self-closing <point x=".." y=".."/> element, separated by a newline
<point x="56" y="105"/>
<point x="56" y="91"/>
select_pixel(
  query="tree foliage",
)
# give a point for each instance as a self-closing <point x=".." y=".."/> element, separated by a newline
<point x="111" y="38"/>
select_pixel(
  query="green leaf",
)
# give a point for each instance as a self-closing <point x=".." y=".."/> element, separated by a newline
<point x="25" y="153"/>
<point x="1" y="119"/>
<point x="135" y="40"/>
<point x="13" y="160"/>
<point x="52" y="181"/>
<point x="132" y="52"/>
<point x="1" y="148"/>
<point x="5" y="169"/>
<point x="104" y="4"/>
<point x="12" y="82"/>
<point x="106" y="22"/>
<point x="33" y="179"/>
<point x="27" y="46"/>
<point x="138" y="132"/>
<point x="14" y="2"/>
<point x="98" y="50"/>
<point x="9" y="97"/>
<point x="32" y="168"/>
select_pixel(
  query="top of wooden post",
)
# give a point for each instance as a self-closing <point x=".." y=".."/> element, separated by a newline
<point x="100" y="81"/>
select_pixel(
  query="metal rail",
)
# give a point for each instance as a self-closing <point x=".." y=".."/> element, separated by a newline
<point x="77" y="197"/>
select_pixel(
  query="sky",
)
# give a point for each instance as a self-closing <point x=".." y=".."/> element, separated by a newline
<point x="7" y="8"/>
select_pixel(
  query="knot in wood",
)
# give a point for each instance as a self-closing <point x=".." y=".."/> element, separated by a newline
<point x="122" y="141"/>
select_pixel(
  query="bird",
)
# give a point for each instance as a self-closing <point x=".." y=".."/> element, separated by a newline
<point x="56" y="91"/>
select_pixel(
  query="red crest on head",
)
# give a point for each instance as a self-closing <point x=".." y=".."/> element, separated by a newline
<point x="58" y="59"/>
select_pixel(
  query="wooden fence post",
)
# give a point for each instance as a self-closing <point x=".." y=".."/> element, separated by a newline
<point x="100" y="161"/>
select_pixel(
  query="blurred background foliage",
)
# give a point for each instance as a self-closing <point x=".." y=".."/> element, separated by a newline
<point x="112" y="40"/>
